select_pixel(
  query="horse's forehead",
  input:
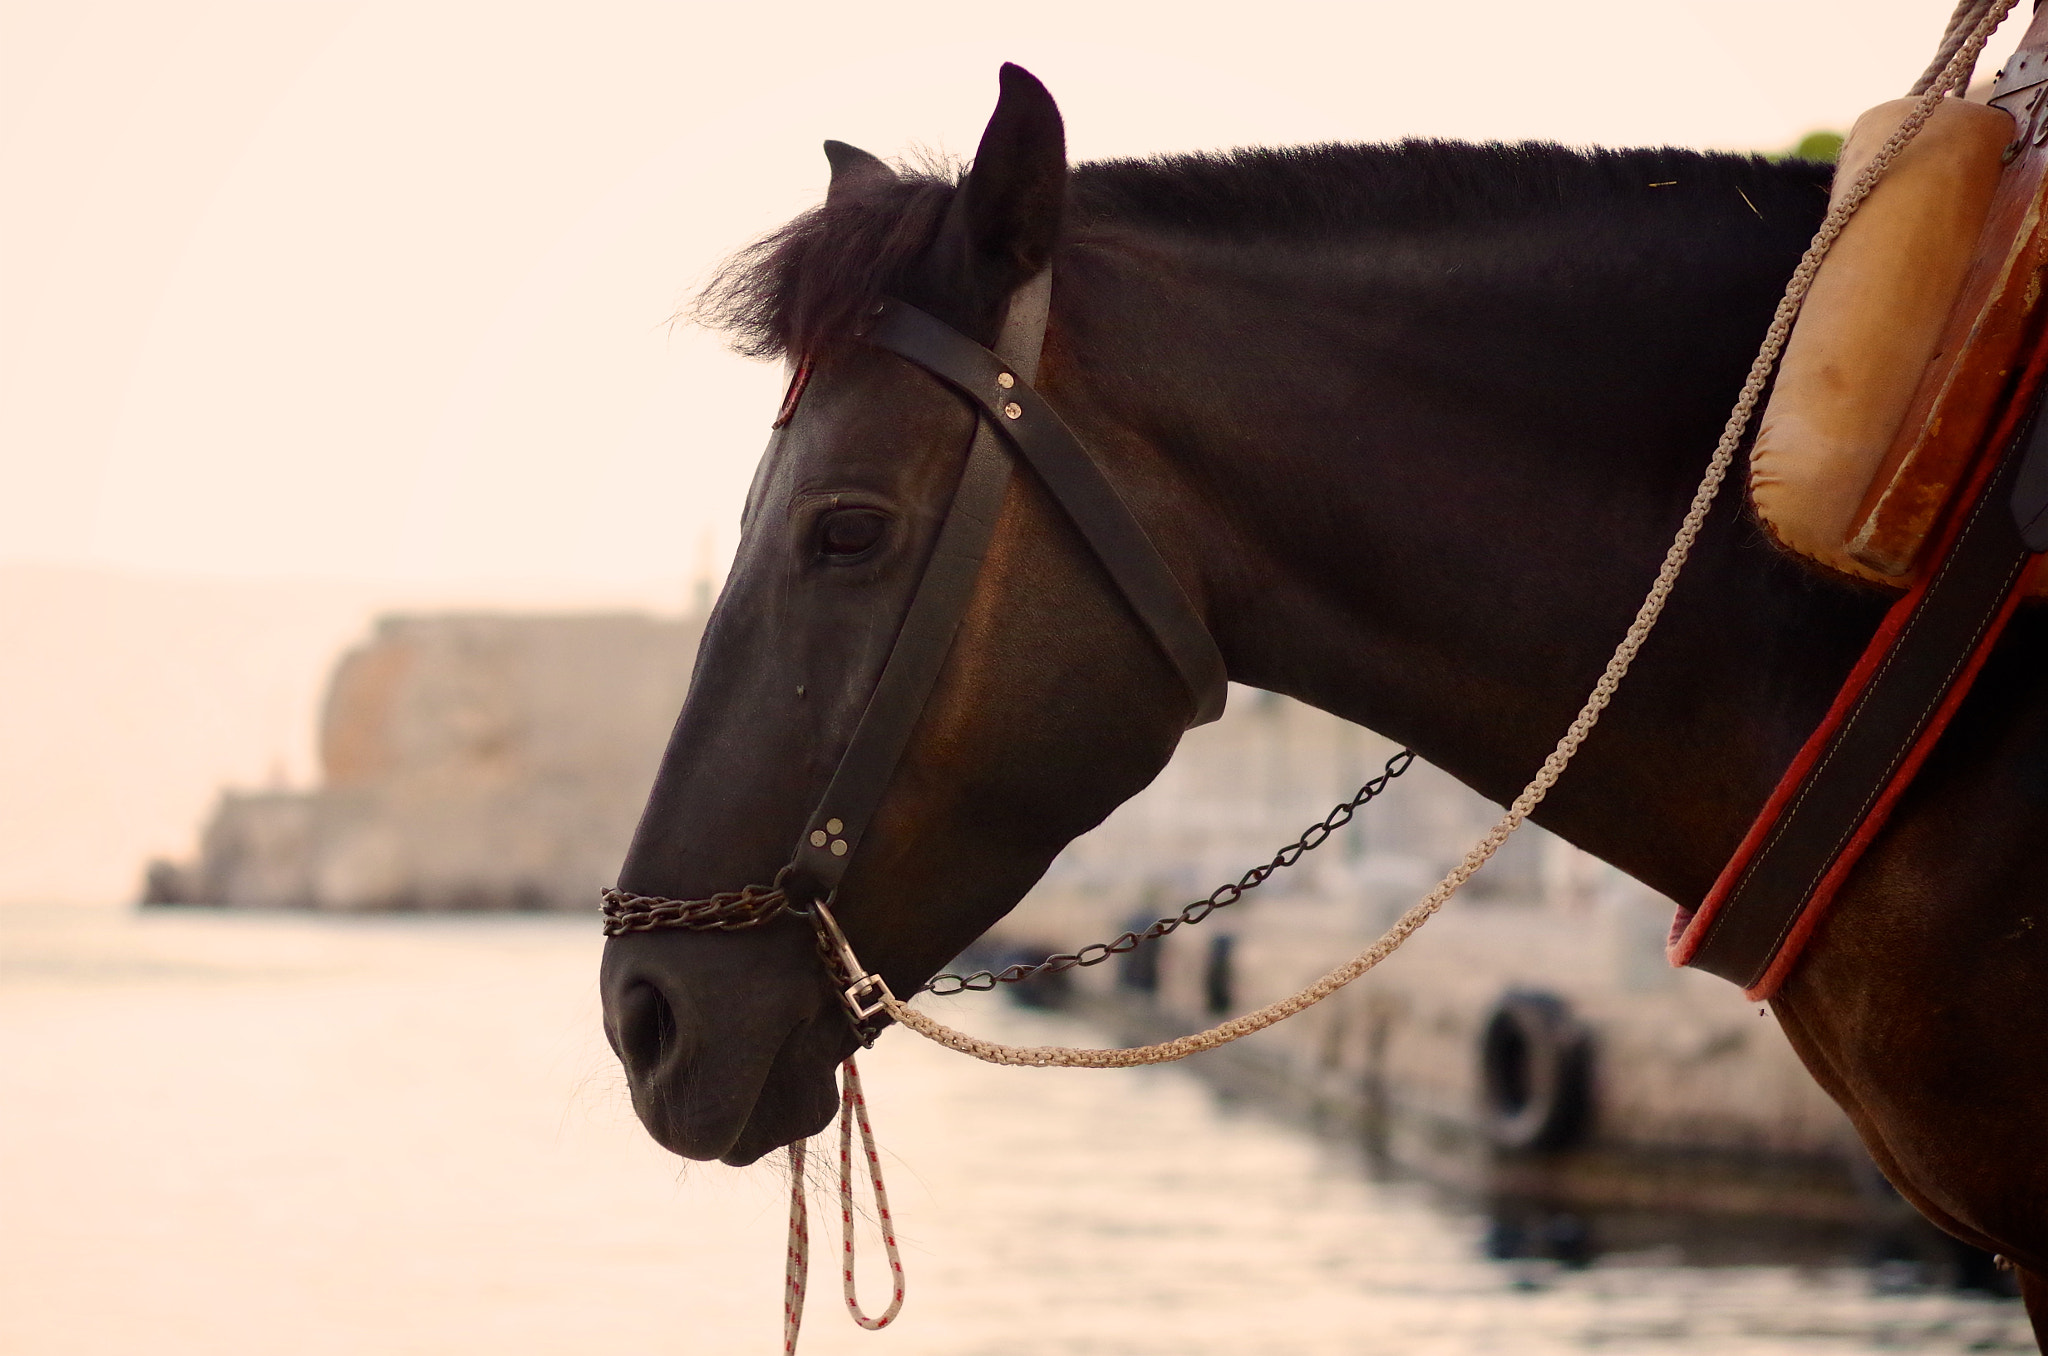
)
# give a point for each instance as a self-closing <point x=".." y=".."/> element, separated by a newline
<point x="867" y="420"/>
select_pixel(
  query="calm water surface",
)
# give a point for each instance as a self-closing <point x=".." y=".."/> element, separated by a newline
<point x="234" y="1134"/>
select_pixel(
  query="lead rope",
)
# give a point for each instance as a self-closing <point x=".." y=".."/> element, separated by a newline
<point x="1961" y="54"/>
<point x="853" y="1108"/>
<point x="796" y="1267"/>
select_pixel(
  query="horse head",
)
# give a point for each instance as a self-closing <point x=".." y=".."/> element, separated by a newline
<point x="1053" y="704"/>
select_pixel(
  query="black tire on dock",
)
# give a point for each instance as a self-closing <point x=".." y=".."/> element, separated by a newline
<point x="1535" y="1064"/>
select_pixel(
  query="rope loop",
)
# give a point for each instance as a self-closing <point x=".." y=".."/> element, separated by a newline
<point x="853" y="1110"/>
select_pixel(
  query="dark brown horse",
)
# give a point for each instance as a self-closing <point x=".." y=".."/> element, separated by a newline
<point x="1413" y="426"/>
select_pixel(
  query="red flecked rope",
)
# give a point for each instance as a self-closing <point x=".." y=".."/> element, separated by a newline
<point x="796" y="1268"/>
<point x="853" y="1107"/>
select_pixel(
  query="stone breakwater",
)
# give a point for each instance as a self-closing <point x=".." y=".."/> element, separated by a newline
<point x="467" y="762"/>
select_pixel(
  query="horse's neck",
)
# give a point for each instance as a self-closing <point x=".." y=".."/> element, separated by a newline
<point x="1441" y="500"/>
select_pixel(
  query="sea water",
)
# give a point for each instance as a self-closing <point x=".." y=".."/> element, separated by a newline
<point x="232" y="1133"/>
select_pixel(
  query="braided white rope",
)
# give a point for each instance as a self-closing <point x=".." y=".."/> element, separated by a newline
<point x="853" y="1107"/>
<point x="796" y="1267"/>
<point x="1952" y="75"/>
<point x="1968" y="14"/>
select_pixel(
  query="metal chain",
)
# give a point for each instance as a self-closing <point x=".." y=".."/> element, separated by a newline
<point x="729" y="912"/>
<point x="1222" y="897"/>
<point x="757" y="904"/>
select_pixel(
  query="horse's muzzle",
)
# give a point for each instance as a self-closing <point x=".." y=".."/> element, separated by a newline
<point x="729" y="1040"/>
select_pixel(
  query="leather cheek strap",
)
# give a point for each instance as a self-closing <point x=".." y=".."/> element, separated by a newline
<point x="898" y="701"/>
<point x="1037" y="432"/>
<point x="1010" y="415"/>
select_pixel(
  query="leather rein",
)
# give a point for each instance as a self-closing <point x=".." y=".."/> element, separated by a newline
<point x="1012" y="421"/>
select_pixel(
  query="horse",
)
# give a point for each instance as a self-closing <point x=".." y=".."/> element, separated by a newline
<point x="1411" y="425"/>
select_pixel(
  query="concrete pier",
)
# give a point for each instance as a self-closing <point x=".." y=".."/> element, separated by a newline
<point x="1530" y="1045"/>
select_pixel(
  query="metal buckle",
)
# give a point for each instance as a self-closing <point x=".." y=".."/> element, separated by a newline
<point x="868" y="994"/>
<point x="857" y="998"/>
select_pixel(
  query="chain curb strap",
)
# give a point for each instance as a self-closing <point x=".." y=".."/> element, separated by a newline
<point x="863" y="992"/>
<point x="866" y="996"/>
<point x="947" y="984"/>
<point x="733" y="911"/>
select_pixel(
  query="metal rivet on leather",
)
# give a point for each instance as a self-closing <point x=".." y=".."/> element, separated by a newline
<point x="1005" y="380"/>
<point x="817" y="838"/>
<point x="834" y="825"/>
<point x="1013" y="410"/>
<point x="838" y="847"/>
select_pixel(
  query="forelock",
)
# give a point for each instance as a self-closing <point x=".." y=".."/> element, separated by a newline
<point x="805" y="288"/>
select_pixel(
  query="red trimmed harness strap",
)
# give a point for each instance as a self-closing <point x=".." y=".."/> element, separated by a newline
<point x="1838" y="792"/>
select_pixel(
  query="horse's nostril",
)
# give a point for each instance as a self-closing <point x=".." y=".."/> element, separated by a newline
<point x="647" y="1028"/>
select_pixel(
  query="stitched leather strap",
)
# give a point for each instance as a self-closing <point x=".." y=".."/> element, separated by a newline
<point x="1894" y="706"/>
<point x="862" y="778"/>
<point x="1009" y="416"/>
<point x="1105" y="521"/>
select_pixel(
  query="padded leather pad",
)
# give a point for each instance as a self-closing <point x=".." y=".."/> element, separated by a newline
<point x="1872" y="323"/>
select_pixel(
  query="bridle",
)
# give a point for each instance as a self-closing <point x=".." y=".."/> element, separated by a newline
<point x="1012" y="421"/>
<point x="1008" y="411"/>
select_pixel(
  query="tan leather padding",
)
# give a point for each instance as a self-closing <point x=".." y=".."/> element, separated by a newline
<point x="1872" y="323"/>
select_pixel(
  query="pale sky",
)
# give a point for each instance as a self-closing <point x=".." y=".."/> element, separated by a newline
<point x="380" y="291"/>
<point x="353" y="304"/>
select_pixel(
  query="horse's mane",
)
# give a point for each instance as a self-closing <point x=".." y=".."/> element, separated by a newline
<point x="805" y="287"/>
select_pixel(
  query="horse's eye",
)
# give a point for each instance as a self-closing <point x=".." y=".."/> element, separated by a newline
<point x="850" y="532"/>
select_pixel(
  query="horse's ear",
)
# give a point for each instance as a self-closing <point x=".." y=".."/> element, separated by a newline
<point x="853" y="170"/>
<point x="1003" y="222"/>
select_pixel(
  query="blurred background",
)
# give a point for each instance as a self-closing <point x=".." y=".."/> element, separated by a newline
<point x="314" y="314"/>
